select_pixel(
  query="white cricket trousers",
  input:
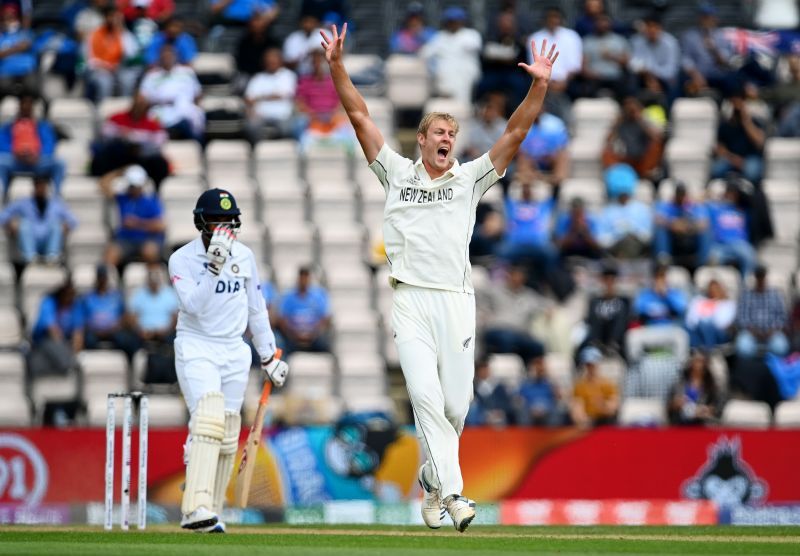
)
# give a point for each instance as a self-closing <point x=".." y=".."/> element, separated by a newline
<point x="434" y="331"/>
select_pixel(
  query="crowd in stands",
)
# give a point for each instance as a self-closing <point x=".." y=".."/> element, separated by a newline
<point x="566" y="274"/>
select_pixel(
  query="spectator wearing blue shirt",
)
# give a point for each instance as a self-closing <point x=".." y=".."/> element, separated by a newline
<point x="492" y="403"/>
<point x="730" y="241"/>
<point x="540" y="398"/>
<point x="17" y="57"/>
<point x="660" y="304"/>
<point x="239" y="12"/>
<point x="543" y="154"/>
<point x="576" y="232"/>
<point x="305" y="316"/>
<point x="153" y="309"/>
<point x="104" y="317"/>
<point x="682" y="231"/>
<point x="529" y="223"/>
<point x="626" y="225"/>
<point x="28" y="145"/>
<point x="39" y="223"/>
<point x="57" y="334"/>
<point x="172" y="33"/>
<point x="140" y="235"/>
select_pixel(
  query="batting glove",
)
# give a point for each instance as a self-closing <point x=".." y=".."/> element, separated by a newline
<point x="219" y="248"/>
<point x="275" y="368"/>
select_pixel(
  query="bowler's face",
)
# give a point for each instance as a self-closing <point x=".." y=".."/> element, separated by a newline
<point x="437" y="144"/>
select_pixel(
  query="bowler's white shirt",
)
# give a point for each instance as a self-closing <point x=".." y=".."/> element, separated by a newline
<point x="427" y="224"/>
<point x="220" y="307"/>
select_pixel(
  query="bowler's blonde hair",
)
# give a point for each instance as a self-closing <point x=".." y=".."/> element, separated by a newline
<point x="431" y="117"/>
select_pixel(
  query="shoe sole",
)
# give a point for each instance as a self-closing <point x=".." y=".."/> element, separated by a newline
<point x="203" y="523"/>
<point x="465" y="523"/>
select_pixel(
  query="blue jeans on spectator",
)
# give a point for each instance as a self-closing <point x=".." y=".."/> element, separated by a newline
<point x="663" y="244"/>
<point x="9" y="166"/>
<point x="747" y="345"/>
<point x="739" y="252"/>
<point x="752" y="169"/>
<point x="706" y="335"/>
<point x="503" y="340"/>
<point x="49" y="246"/>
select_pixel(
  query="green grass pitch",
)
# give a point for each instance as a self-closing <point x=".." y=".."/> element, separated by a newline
<point x="352" y="540"/>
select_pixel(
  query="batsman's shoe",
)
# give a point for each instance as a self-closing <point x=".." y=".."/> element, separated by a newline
<point x="432" y="509"/>
<point x="219" y="527"/>
<point x="461" y="510"/>
<point x="201" y="518"/>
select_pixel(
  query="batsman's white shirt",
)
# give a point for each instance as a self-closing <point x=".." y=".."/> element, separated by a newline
<point x="428" y="223"/>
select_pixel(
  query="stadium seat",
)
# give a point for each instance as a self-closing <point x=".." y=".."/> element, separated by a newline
<point x="12" y="370"/>
<point x="104" y="371"/>
<point x="76" y="156"/>
<point x="351" y="327"/>
<point x="560" y="370"/>
<point x="591" y="190"/>
<point x="672" y="338"/>
<point x="407" y="81"/>
<point x="746" y="414"/>
<point x="507" y="368"/>
<point x="345" y="300"/>
<point x="782" y="158"/>
<point x="696" y="119"/>
<point x="84" y="277"/>
<point x="21" y="188"/>
<point x="593" y="117"/>
<point x="584" y="158"/>
<point x="167" y="410"/>
<point x="277" y="161"/>
<point x="283" y="202"/>
<point x="11" y="335"/>
<point x="689" y="161"/>
<point x="291" y="246"/>
<point x="678" y="277"/>
<point x="184" y="157"/>
<point x="54" y="389"/>
<point x="40" y="279"/>
<point x="719" y="370"/>
<point x="226" y="159"/>
<point x="787" y="415"/>
<point x="76" y="115"/>
<point x="728" y="276"/>
<point x="321" y="163"/>
<point x="15" y="411"/>
<point x="642" y="411"/>
<point x="112" y="105"/>
<point x="334" y="204"/>
<point x="312" y="375"/>
<point x="366" y="404"/>
<point x="215" y="71"/>
<point x="462" y="111"/>
<point x="85" y="245"/>
<point x="382" y="113"/>
<point x="362" y="376"/>
<point x="7" y="287"/>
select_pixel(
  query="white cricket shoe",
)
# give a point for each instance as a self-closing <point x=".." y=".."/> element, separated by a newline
<point x="201" y="518"/>
<point x="432" y="509"/>
<point x="218" y="527"/>
<point x="461" y="510"/>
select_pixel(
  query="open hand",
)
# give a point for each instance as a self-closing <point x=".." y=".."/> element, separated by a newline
<point x="334" y="45"/>
<point x="542" y="65"/>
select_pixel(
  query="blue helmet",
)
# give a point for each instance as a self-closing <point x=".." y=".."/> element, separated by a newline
<point x="212" y="204"/>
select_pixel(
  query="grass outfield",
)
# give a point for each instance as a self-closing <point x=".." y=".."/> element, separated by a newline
<point x="351" y="540"/>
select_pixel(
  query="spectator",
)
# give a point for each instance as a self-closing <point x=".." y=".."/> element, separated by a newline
<point x="154" y="309"/>
<point x="413" y="35"/>
<point x="18" y="65"/>
<point x="173" y="92"/>
<point x="487" y="235"/>
<point x="300" y="43"/>
<point x="270" y="99"/>
<point x="492" y="403"/>
<point x="305" y="316"/>
<point x="39" y="223"/>
<point x="655" y="57"/>
<point x="140" y="234"/>
<point x="172" y="33"/>
<point x="710" y="317"/>
<point x="626" y="225"/>
<point x="159" y="11"/>
<point x="605" y="61"/>
<point x="659" y="303"/>
<point x="586" y="23"/>
<point x="543" y="154"/>
<point x="608" y="316"/>
<point x="682" y="231"/>
<point x="28" y="145"/>
<point x="570" y="60"/>
<point x="132" y="137"/>
<point x="695" y="399"/>
<point x="595" y="398"/>
<point x="576" y="232"/>
<point x="320" y="113"/>
<point x="529" y="225"/>
<point x="740" y="142"/>
<point x="90" y="18"/>
<point x="636" y="141"/>
<point x="761" y="319"/>
<point x="785" y="96"/>
<point x="511" y="310"/>
<point x="325" y="9"/>
<point x="57" y="334"/>
<point x="499" y="58"/>
<point x="24" y="9"/>
<point x="707" y="54"/>
<point x="251" y="48"/>
<point x="540" y="398"/>
<point x="730" y="240"/>
<point x="488" y="126"/>
<point x="237" y="13"/>
<point x="104" y="317"/>
<point x="108" y="49"/>
<point x="453" y="56"/>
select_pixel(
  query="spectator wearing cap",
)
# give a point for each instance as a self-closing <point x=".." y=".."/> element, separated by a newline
<point x="305" y="316"/>
<point x="626" y="224"/>
<point x="570" y="59"/>
<point x="575" y="233"/>
<point x="131" y="137"/>
<point x="453" y="56"/>
<point x="655" y="56"/>
<point x="659" y="303"/>
<point x="17" y="57"/>
<point x="730" y="239"/>
<point x="104" y="317"/>
<point x="761" y="319"/>
<point x="270" y="97"/>
<point x="707" y="54"/>
<point x="140" y="235"/>
<point x="635" y="140"/>
<point x="172" y="33"/>
<point x="605" y="61"/>
<point x="595" y="398"/>
<point x="682" y="231"/>
<point x="28" y="145"/>
<point x="413" y="34"/>
<point x="543" y="155"/>
<point x="740" y="142"/>
<point x="39" y="223"/>
<point x="608" y="315"/>
<point x="108" y="49"/>
<point x="504" y="49"/>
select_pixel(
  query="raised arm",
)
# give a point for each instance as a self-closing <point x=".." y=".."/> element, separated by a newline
<point x="368" y="134"/>
<point x="519" y="124"/>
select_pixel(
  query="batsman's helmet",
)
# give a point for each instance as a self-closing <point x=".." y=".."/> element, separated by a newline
<point x="213" y="204"/>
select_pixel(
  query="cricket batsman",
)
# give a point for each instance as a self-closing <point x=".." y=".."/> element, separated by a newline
<point x="428" y="220"/>
<point x="216" y="279"/>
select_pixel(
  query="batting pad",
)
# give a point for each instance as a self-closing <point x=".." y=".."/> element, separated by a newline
<point x="227" y="457"/>
<point x="208" y="431"/>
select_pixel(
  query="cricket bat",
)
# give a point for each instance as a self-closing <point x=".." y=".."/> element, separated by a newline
<point x="248" y="463"/>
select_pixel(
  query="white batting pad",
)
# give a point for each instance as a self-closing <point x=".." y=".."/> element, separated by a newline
<point x="208" y="431"/>
<point x="227" y="457"/>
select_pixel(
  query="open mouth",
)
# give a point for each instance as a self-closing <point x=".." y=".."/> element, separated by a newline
<point x="442" y="152"/>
